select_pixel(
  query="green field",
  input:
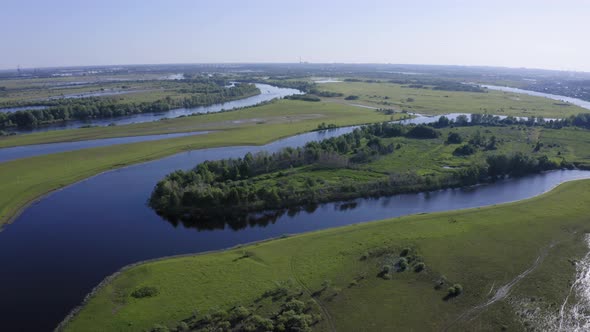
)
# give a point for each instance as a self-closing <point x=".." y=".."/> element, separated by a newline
<point x="481" y="249"/>
<point x="25" y="180"/>
<point x="427" y="101"/>
<point x="143" y="87"/>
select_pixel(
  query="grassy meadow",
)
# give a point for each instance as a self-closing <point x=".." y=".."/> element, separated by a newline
<point x="428" y="101"/>
<point x="481" y="249"/>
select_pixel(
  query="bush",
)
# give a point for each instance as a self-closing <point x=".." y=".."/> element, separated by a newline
<point x="422" y="131"/>
<point x="183" y="327"/>
<point x="419" y="267"/>
<point x="257" y="323"/>
<point x="351" y="97"/>
<point x="455" y="290"/>
<point x="402" y="264"/>
<point x="454" y="138"/>
<point x="294" y="305"/>
<point x="239" y="313"/>
<point x="386" y="269"/>
<point x="160" y="328"/>
<point x="404" y="252"/>
<point x="145" y="291"/>
<point x="464" y="150"/>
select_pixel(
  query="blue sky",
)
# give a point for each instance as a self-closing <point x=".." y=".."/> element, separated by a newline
<point x="519" y="33"/>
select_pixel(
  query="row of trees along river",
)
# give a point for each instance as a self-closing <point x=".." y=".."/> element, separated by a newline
<point x="59" y="110"/>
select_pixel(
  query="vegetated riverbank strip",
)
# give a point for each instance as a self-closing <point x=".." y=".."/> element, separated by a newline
<point x="27" y="151"/>
<point x="24" y="184"/>
<point x="457" y="223"/>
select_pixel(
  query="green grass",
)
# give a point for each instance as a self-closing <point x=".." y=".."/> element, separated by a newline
<point x="25" y="180"/>
<point x="433" y="157"/>
<point x="478" y="248"/>
<point x="426" y="101"/>
<point x="304" y="115"/>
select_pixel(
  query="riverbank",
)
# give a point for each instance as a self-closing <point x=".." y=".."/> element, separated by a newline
<point x="480" y="239"/>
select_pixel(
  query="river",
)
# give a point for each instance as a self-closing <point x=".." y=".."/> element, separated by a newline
<point x="65" y="244"/>
<point x="267" y="93"/>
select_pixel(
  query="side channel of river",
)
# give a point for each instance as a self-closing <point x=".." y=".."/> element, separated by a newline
<point x="267" y="93"/>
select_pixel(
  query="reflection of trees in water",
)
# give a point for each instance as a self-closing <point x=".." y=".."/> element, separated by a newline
<point x="239" y="221"/>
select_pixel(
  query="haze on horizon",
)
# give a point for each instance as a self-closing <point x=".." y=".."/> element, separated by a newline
<point x="519" y="33"/>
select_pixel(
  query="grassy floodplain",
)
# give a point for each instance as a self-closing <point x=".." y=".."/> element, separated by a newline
<point x="428" y="101"/>
<point x="482" y="249"/>
<point x="25" y="180"/>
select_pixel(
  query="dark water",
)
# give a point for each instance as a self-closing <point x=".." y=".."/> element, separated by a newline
<point x="64" y="245"/>
<point x="267" y="92"/>
<point x="17" y="152"/>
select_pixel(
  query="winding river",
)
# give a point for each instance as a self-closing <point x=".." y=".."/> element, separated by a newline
<point x="59" y="248"/>
<point x="267" y="92"/>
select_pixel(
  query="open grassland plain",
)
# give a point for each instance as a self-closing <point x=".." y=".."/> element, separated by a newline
<point x="138" y="86"/>
<point x="25" y="180"/>
<point x="428" y="272"/>
<point x="428" y="101"/>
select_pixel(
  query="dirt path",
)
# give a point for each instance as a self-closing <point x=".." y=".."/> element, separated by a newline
<point x="325" y="311"/>
<point x="502" y="292"/>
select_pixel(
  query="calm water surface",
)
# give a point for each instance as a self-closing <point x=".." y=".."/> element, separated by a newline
<point x="25" y="151"/>
<point x="267" y="93"/>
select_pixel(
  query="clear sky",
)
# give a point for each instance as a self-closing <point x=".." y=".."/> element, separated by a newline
<point x="551" y="34"/>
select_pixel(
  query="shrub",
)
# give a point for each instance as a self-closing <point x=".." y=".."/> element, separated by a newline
<point x="294" y="305"/>
<point x="160" y="328"/>
<point x="352" y="97"/>
<point x="404" y="252"/>
<point x="419" y="267"/>
<point x="455" y="290"/>
<point x="183" y="326"/>
<point x="386" y="269"/>
<point x="464" y="150"/>
<point x="145" y="291"/>
<point x="422" y="131"/>
<point x="402" y="264"/>
<point x="454" y="138"/>
<point x="239" y="313"/>
<point x="257" y="323"/>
